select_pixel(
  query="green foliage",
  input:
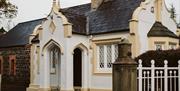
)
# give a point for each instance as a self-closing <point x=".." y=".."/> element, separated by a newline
<point x="7" y="9"/>
<point x="173" y="12"/>
<point x="172" y="56"/>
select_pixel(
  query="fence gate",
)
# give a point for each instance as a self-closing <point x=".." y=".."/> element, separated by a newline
<point x="158" y="78"/>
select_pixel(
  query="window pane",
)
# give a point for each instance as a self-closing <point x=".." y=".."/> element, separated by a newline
<point x="172" y="46"/>
<point x="158" y="47"/>
<point x="12" y="67"/>
<point x="54" y="58"/>
<point x="116" y="52"/>
<point x="101" y="56"/>
<point x="109" y="56"/>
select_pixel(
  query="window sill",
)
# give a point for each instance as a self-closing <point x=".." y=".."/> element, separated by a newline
<point x="102" y="72"/>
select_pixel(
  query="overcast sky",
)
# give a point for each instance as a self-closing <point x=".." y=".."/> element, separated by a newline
<point x="35" y="9"/>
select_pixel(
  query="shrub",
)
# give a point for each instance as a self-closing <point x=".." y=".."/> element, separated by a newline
<point x="172" y="56"/>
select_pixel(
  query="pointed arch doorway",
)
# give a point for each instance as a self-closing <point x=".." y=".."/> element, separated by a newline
<point x="54" y="67"/>
<point x="77" y="69"/>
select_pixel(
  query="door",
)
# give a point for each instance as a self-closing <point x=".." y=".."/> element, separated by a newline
<point x="54" y="56"/>
<point x="77" y="68"/>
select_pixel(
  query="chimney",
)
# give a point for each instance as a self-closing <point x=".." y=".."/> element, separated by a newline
<point x="158" y="10"/>
<point x="95" y="4"/>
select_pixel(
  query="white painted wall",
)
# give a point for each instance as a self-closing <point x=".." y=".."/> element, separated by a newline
<point x="57" y="36"/>
<point x="89" y="80"/>
<point x="68" y="45"/>
<point x="146" y="21"/>
<point x="167" y="20"/>
<point x="100" y="81"/>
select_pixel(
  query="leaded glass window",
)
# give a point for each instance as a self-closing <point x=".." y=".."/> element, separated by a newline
<point x="106" y="55"/>
<point x="54" y="58"/>
<point x="109" y="56"/>
<point x="101" y="56"/>
<point x="116" y="51"/>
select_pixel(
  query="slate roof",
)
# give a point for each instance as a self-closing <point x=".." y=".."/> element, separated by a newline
<point x="19" y="35"/>
<point x="77" y="16"/>
<point x="112" y="16"/>
<point x="159" y="30"/>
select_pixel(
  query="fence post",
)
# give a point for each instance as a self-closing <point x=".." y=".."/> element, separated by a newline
<point x="124" y="69"/>
<point x="152" y="75"/>
<point x="165" y="75"/>
<point x="140" y="75"/>
<point x="179" y="75"/>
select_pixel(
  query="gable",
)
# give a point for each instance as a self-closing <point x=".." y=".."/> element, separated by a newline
<point x="159" y="30"/>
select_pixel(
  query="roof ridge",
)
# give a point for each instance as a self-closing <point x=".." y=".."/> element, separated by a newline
<point x="77" y="6"/>
<point x="30" y="21"/>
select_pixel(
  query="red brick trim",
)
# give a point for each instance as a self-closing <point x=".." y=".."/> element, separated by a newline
<point x="12" y="62"/>
<point x="1" y="65"/>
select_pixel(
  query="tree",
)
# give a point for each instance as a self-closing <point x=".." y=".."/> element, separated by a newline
<point x="7" y="9"/>
<point x="173" y="12"/>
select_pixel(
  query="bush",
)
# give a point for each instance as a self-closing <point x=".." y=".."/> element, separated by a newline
<point x="172" y="56"/>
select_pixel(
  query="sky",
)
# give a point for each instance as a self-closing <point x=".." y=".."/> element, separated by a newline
<point x="35" y="9"/>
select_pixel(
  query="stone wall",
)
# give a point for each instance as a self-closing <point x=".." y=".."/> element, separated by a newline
<point x="21" y="77"/>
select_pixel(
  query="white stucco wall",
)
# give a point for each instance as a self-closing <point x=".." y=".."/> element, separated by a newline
<point x="146" y="19"/>
<point x="104" y="81"/>
<point x="89" y="79"/>
<point x="167" y="20"/>
<point x="67" y="44"/>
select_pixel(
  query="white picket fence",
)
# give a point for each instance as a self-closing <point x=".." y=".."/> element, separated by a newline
<point x="158" y="78"/>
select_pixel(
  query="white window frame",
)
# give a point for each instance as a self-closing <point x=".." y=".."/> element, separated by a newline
<point x="54" y="58"/>
<point x="172" y="46"/>
<point x="105" y="69"/>
<point x="162" y="44"/>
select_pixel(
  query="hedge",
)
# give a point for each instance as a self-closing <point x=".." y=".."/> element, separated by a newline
<point x="172" y="56"/>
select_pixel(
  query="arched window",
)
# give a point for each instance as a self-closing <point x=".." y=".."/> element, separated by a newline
<point x="1" y="64"/>
<point x="54" y="57"/>
<point x="12" y="65"/>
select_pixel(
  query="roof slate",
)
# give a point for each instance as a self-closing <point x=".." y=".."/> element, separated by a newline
<point x="159" y="30"/>
<point x="19" y="35"/>
<point x="77" y="17"/>
<point x="112" y="16"/>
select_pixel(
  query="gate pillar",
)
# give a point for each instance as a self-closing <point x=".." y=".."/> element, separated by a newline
<point x="124" y="69"/>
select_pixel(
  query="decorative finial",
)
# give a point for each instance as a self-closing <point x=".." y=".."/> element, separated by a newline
<point x="54" y="2"/>
<point x="58" y="3"/>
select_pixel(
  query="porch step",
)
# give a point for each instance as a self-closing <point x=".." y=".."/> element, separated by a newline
<point x="55" y="89"/>
<point x="77" y="89"/>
